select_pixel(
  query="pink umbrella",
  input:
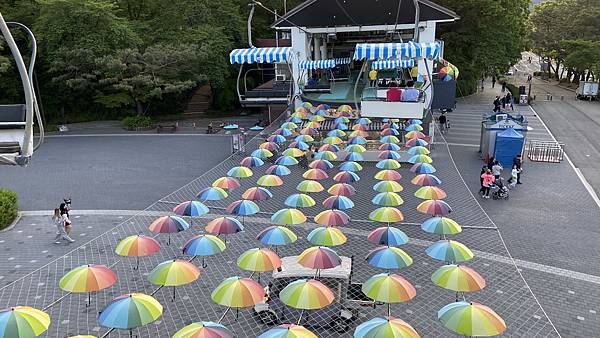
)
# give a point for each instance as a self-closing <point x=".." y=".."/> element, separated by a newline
<point x="319" y="257"/>
<point x="332" y="217"/>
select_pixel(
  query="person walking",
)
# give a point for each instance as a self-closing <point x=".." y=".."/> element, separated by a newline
<point x="514" y="174"/>
<point x="64" y="209"/>
<point x="482" y="83"/>
<point x="61" y="232"/>
<point x="503" y="86"/>
<point x="497" y="170"/>
<point x="483" y="170"/>
<point x="488" y="180"/>
<point x="497" y="104"/>
<point x="443" y="121"/>
<point x="493" y="81"/>
<point x="509" y="100"/>
<point x="517" y="162"/>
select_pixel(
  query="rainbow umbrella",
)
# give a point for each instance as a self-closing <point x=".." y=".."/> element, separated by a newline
<point x="239" y="172"/>
<point x="458" y="278"/>
<point x="261" y="153"/>
<point x="357" y="140"/>
<point x="336" y="133"/>
<point x="441" y="225"/>
<point x="389" y="139"/>
<point x="278" y="170"/>
<point x="415" y="121"/>
<point x="386" y="215"/>
<point x="359" y="133"/>
<point x="212" y="194"/>
<point x="388" y="154"/>
<point x="332" y="218"/>
<point x="388" y="175"/>
<point x="418" y="150"/>
<point x="342" y="119"/>
<point x="434" y="208"/>
<point x="416" y="142"/>
<point x="341" y="189"/>
<point x="174" y="272"/>
<point x="339" y="202"/>
<point x="204" y="330"/>
<point x="329" y="147"/>
<point x="23" y="321"/>
<point x="391" y="124"/>
<point x="168" y="225"/>
<point x="388" y="288"/>
<point x="385" y="327"/>
<point x="283" y="132"/>
<point x="301" y="110"/>
<point x="251" y="161"/>
<point x="351" y="166"/>
<point x="130" y="311"/>
<point x="317" y="118"/>
<point x="389" y="257"/>
<point x="270" y="146"/>
<point x="137" y="246"/>
<point x="203" y="245"/>
<point x="315" y="174"/>
<point x="449" y="251"/>
<point x="257" y="194"/>
<point x="387" y="199"/>
<point x="471" y="319"/>
<point x="286" y="160"/>
<point x="426" y="180"/>
<point x="363" y="121"/>
<point x="226" y="183"/>
<point x="430" y="193"/>
<point x="414" y="127"/>
<point x="306" y="294"/>
<point x="87" y="279"/>
<point x="259" y="260"/>
<point x="319" y="257"/>
<point x="326" y="236"/>
<point x="389" y="132"/>
<point x="299" y="145"/>
<point x="288" y="331"/>
<point x="224" y="226"/>
<point x="299" y="201"/>
<point x="355" y="148"/>
<point x="344" y="108"/>
<point x="325" y="155"/>
<point x="422" y="168"/>
<point x="415" y="134"/>
<point x="288" y="217"/>
<point x="293" y="152"/>
<point x="388" y="164"/>
<point x="242" y="208"/>
<point x="340" y="126"/>
<point x="190" y="208"/>
<point x="309" y="132"/>
<point x="276" y="235"/>
<point x="276" y="139"/>
<point x="238" y="292"/>
<point x="304" y="138"/>
<point x="353" y="157"/>
<point x="389" y="146"/>
<point x="309" y="186"/>
<point x="360" y="127"/>
<point x="289" y="125"/>
<point x="312" y="125"/>
<point x="332" y="140"/>
<point x="389" y="236"/>
<point x="346" y="177"/>
<point x="387" y="186"/>
<point x="270" y="181"/>
<point x="420" y="159"/>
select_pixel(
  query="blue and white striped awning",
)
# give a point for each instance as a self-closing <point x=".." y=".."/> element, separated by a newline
<point x="261" y="55"/>
<point x="342" y="61"/>
<point x="392" y="64"/>
<point x="405" y="50"/>
<point x="316" y="64"/>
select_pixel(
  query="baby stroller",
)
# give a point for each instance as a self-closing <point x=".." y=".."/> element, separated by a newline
<point x="499" y="190"/>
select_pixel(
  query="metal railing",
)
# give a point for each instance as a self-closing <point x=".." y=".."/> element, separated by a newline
<point x="545" y="151"/>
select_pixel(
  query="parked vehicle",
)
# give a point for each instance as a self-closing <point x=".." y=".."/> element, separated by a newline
<point x="587" y="90"/>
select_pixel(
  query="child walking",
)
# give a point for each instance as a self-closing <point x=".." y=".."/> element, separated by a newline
<point x="60" y="225"/>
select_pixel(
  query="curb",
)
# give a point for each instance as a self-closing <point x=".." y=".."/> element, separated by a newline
<point x="13" y="224"/>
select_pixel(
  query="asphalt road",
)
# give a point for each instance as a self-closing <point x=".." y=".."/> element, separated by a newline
<point x="112" y="172"/>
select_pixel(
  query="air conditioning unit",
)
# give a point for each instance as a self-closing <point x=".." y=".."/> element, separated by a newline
<point x="280" y="78"/>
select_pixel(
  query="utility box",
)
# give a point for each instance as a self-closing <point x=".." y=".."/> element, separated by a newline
<point x="587" y="90"/>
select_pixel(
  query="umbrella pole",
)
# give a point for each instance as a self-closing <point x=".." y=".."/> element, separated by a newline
<point x="169" y="240"/>
<point x="173" y="294"/>
<point x="137" y="263"/>
<point x="204" y="266"/>
<point x="89" y="302"/>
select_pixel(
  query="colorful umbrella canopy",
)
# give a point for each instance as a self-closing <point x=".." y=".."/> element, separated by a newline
<point x="288" y="331"/>
<point x="243" y="208"/>
<point x="289" y="125"/>
<point x="434" y="208"/>
<point x="270" y="146"/>
<point x="283" y="132"/>
<point x="389" y="257"/>
<point x="224" y="226"/>
<point x="319" y="257"/>
<point x="385" y="327"/>
<point x="259" y="260"/>
<point x="360" y="127"/>
<point x="387" y="199"/>
<point x="388" y="164"/>
<point x="130" y="310"/>
<point x="388" y="186"/>
<point x="174" y="272"/>
<point x="270" y="180"/>
<point x="190" y="208"/>
<point x="414" y="127"/>
<point x="278" y="170"/>
<point x="339" y="202"/>
<point x="203" y="245"/>
<point x="309" y="186"/>
<point x="332" y="218"/>
<point x="389" y="131"/>
<point x="363" y="121"/>
<point x="341" y="189"/>
<point x="257" y="194"/>
<point x="306" y="294"/>
<point x="293" y="152"/>
<point x="262" y="153"/>
<point x="332" y="140"/>
<point x="389" y="139"/>
<point x="309" y="132"/>
<point x="317" y="118"/>
<point x="471" y="319"/>
<point x="239" y="172"/>
<point x="351" y="166"/>
<point x="389" y="236"/>
<point x="357" y="140"/>
<point x="168" y="224"/>
<point x="353" y="157"/>
<point x="340" y="126"/>
<point x="342" y="119"/>
<point x="386" y="215"/>
<point x="212" y="194"/>
<point x="415" y="121"/>
<point x="88" y="278"/>
<point x="426" y="180"/>
<point x="315" y="174"/>
<point x="299" y="144"/>
<point x="449" y="251"/>
<point x="418" y="150"/>
<point x="137" y="246"/>
<point x="306" y="138"/>
<point x="23" y="321"/>
<point x="329" y="147"/>
<point x="251" y="161"/>
<point x="441" y="226"/>
<point x="422" y="168"/>
<point x="336" y="133"/>
<point x="288" y="217"/>
<point x="355" y="148"/>
<point x="430" y="193"/>
<point x="276" y="235"/>
<point x="325" y="155"/>
<point x="359" y="133"/>
<point x="326" y="236"/>
<point x="416" y="142"/>
<point x="238" y="292"/>
<point x="389" y="146"/>
<point x="276" y="139"/>
<point x="388" y="154"/>
<point x="286" y="160"/>
<point x="346" y="177"/>
<point x="204" y="330"/>
<point x="415" y="134"/>
<point x="227" y="183"/>
<point x="299" y="201"/>
<point x="312" y="125"/>
<point x="420" y="159"/>
<point x="388" y="288"/>
<point x="388" y="175"/>
<point x="458" y="278"/>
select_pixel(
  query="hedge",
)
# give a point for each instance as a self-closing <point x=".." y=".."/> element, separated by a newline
<point x="8" y="207"/>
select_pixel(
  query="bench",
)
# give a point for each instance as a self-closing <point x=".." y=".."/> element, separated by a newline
<point x="171" y="127"/>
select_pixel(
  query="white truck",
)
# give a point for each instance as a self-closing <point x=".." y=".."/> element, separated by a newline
<point x="587" y="90"/>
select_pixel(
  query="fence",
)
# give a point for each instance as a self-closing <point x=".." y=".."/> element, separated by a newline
<point x="545" y="151"/>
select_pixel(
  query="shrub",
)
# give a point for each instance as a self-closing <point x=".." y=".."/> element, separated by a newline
<point x="137" y="122"/>
<point x="8" y="207"/>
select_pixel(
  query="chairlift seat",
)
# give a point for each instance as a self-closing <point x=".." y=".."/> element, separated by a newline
<point x="12" y="124"/>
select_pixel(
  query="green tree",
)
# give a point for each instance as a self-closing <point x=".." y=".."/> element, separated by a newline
<point x="4" y="61"/>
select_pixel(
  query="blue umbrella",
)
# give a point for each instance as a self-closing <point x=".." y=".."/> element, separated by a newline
<point x="387" y="139"/>
<point x="415" y="121"/>
<point x="277" y="138"/>
<point x="300" y="145"/>
<point x="191" y="208"/>
<point x="388" y="164"/>
<point x="357" y="140"/>
<point x="279" y="170"/>
<point x="336" y="132"/>
<point x="341" y="126"/>
<point x="286" y="160"/>
<point x="387" y="236"/>
<point x="391" y="131"/>
<point x="413" y="127"/>
<point x="338" y="202"/>
<point x="322" y="113"/>
<point x="231" y="126"/>
<point x="389" y="154"/>
<point x="296" y="120"/>
<point x="243" y="208"/>
<point x="256" y="128"/>
<point x="423" y="168"/>
<point x="212" y="194"/>
<point x="354" y="157"/>
<point x="389" y="146"/>
<point x="276" y="235"/>
<point x="283" y="132"/>
<point x="363" y="120"/>
<point x="351" y="166"/>
<point x="288" y="125"/>
<point x="389" y="257"/>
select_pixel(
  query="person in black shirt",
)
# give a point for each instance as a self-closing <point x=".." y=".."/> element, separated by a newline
<point x="497" y="104"/>
<point x="442" y="120"/>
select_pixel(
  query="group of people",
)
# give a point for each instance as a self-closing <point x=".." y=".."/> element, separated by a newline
<point x="63" y="224"/>
<point x="403" y="94"/>
<point x="505" y="101"/>
<point x="491" y="175"/>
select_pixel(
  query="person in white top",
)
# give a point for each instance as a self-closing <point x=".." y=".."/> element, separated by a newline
<point x="497" y="169"/>
<point x="59" y="223"/>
